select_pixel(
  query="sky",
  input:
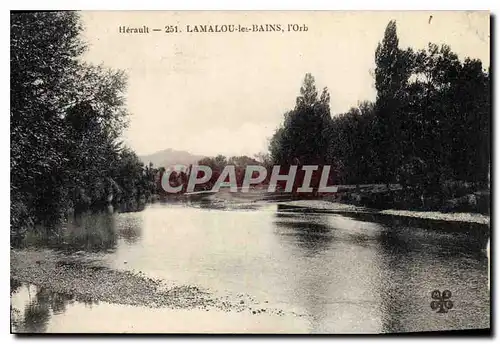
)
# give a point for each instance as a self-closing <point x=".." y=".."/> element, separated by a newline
<point x="226" y="93"/>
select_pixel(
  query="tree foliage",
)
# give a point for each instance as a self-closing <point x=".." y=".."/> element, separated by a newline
<point x="430" y="122"/>
<point x="303" y="135"/>
<point x="66" y="118"/>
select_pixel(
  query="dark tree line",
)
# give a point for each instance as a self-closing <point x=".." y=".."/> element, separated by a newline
<point x="65" y="120"/>
<point x="429" y="125"/>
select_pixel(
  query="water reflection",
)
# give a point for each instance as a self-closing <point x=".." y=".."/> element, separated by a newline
<point x="129" y="227"/>
<point x="33" y="307"/>
<point x="382" y="271"/>
<point x="419" y="256"/>
<point x="311" y="236"/>
<point x="473" y="235"/>
<point x="444" y="239"/>
<point x="310" y="233"/>
<point x="14" y="286"/>
<point x="356" y="273"/>
<point x="89" y="232"/>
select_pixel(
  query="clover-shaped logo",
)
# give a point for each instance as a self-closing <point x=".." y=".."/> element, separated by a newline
<point x="442" y="301"/>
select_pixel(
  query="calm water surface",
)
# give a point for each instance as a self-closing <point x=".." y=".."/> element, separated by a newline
<point x="361" y="273"/>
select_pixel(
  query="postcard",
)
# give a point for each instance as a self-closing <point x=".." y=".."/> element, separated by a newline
<point x="250" y="172"/>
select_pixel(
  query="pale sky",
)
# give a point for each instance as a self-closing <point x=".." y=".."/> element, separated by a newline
<point x="211" y="93"/>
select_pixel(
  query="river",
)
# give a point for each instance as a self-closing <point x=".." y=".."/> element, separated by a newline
<point x="329" y="273"/>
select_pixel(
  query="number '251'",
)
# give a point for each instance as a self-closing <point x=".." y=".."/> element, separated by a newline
<point x="171" y="29"/>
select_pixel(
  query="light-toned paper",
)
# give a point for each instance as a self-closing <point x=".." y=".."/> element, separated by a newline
<point x="397" y="245"/>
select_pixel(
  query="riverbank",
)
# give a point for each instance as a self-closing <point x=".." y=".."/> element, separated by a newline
<point x="83" y="277"/>
<point x="462" y="202"/>
<point x="451" y="198"/>
<point x="342" y="208"/>
<point x="323" y="272"/>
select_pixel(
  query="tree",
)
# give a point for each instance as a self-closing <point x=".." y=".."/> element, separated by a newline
<point x="66" y="120"/>
<point x="448" y="117"/>
<point x="393" y="68"/>
<point x="44" y="49"/>
<point x="429" y="126"/>
<point x="351" y="146"/>
<point x="470" y="104"/>
<point x="303" y="136"/>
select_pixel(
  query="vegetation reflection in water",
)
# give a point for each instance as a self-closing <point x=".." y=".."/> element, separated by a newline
<point x="328" y="263"/>
<point x="89" y="232"/>
<point x="39" y="306"/>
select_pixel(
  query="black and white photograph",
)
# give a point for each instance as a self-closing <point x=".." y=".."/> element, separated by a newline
<point x="250" y="172"/>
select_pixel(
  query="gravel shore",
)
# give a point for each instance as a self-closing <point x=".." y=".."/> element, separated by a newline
<point x="84" y="277"/>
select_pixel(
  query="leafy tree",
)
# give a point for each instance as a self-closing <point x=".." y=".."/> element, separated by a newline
<point x="351" y="147"/>
<point x="429" y="126"/>
<point x="44" y="49"/>
<point x="66" y="118"/>
<point x="303" y="137"/>
<point x="393" y="68"/>
<point x="448" y="122"/>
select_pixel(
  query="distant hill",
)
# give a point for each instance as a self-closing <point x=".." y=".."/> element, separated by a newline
<point x="168" y="157"/>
